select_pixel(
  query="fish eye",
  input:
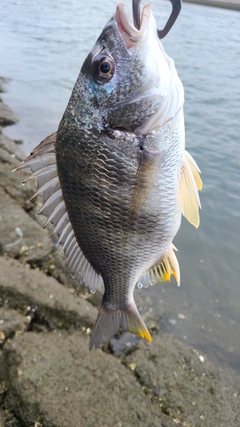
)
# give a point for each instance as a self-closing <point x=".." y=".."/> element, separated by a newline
<point x="103" y="68"/>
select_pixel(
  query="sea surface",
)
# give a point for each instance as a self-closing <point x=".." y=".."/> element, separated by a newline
<point x="42" y="46"/>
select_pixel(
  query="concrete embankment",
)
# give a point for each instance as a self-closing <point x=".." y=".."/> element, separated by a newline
<point x="232" y="4"/>
<point x="48" y="377"/>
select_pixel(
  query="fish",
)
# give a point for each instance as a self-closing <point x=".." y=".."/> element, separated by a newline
<point x="115" y="178"/>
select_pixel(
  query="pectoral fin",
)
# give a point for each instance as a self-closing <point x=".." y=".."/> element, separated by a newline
<point x="189" y="186"/>
<point x="162" y="271"/>
<point x="147" y="168"/>
<point x="144" y="180"/>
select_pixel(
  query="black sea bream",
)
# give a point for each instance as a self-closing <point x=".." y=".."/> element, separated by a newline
<point x="116" y="178"/>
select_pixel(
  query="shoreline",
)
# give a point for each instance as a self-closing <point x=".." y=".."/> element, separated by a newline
<point x="47" y="374"/>
<point x="231" y="5"/>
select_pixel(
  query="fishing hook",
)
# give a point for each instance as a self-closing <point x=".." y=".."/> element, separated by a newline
<point x="176" y="8"/>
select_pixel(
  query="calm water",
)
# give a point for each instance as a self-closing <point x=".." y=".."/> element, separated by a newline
<point x="42" y="47"/>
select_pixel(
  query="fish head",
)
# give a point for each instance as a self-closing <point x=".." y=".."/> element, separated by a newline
<point x="127" y="81"/>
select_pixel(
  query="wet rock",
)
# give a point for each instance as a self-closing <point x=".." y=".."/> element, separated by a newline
<point x="3" y="82"/>
<point x="11" y="182"/>
<point x="2" y="419"/>
<point x="42" y="297"/>
<point x="11" y="147"/>
<point x="3" y="387"/>
<point x="63" y="384"/>
<point x="183" y="383"/>
<point x="21" y="236"/>
<point x="7" y="117"/>
<point x="11" y="323"/>
<point x="7" y="158"/>
<point x="7" y="419"/>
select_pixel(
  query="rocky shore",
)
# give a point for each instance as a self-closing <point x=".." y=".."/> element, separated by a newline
<point x="48" y="377"/>
<point x="225" y="4"/>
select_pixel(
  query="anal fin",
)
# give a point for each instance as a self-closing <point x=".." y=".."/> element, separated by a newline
<point x="163" y="270"/>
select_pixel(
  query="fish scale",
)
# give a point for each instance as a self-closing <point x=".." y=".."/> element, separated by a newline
<point x="93" y="208"/>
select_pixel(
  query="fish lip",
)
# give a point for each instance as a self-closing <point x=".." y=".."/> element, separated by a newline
<point x="129" y="32"/>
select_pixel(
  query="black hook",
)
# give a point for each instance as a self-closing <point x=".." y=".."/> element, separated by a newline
<point x="136" y="13"/>
<point x="176" y="8"/>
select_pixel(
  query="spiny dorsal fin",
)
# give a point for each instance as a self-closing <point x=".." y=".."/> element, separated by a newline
<point x="190" y="183"/>
<point x="161" y="271"/>
<point x="42" y="162"/>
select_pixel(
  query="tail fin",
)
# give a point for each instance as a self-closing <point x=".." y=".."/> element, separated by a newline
<point x="110" y="320"/>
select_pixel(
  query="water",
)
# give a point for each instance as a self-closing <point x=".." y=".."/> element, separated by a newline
<point x="42" y="47"/>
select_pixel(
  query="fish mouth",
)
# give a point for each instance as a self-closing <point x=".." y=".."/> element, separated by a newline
<point x="131" y="35"/>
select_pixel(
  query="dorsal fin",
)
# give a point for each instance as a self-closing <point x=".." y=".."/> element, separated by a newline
<point x="162" y="270"/>
<point x="189" y="186"/>
<point x="42" y="162"/>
